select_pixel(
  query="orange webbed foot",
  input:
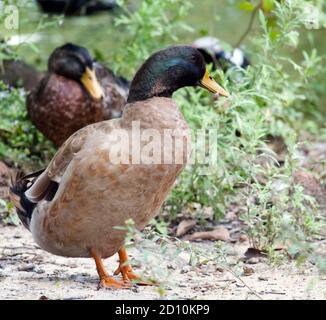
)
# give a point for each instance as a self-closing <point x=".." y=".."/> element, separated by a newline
<point x="110" y="283"/>
<point x="127" y="273"/>
<point x="105" y="280"/>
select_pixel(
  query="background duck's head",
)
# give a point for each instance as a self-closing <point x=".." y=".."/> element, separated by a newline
<point x="169" y="70"/>
<point x="75" y="62"/>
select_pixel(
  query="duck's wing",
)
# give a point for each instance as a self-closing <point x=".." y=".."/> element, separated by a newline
<point x="47" y="183"/>
<point x="27" y="191"/>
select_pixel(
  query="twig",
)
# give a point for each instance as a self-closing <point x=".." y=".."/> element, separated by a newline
<point x="237" y="277"/>
<point x="251" y="22"/>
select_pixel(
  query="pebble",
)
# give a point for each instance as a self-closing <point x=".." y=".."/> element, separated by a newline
<point x="171" y="267"/>
<point x="39" y="271"/>
<point x="185" y="269"/>
<point x="26" y="267"/>
<point x="243" y="238"/>
<point x="261" y="278"/>
<point x="135" y="289"/>
<point x="247" y="271"/>
<point x="253" y="260"/>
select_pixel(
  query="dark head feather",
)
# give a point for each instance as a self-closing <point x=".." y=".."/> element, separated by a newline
<point x="167" y="71"/>
<point x="70" y="61"/>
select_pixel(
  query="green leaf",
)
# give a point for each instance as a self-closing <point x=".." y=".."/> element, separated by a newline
<point x="268" y="5"/>
<point x="246" y="6"/>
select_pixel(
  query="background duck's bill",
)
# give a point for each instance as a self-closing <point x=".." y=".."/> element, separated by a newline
<point x="91" y="84"/>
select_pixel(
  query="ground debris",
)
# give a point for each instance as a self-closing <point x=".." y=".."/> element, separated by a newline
<point x="184" y="226"/>
<point x="219" y="233"/>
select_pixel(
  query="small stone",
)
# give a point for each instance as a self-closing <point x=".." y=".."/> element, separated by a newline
<point x="135" y="289"/>
<point x="26" y="267"/>
<point x="253" y="260"/>
<point x="39" y="271"/>
<point x="261" y="278"/>
<point x="171" y="267"/>
<point x="243" y="238"/>
<point x="247" y="271"/>
<point x="185" y="269"/>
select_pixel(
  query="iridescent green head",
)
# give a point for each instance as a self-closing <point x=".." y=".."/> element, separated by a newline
<point x="169" y="70"/>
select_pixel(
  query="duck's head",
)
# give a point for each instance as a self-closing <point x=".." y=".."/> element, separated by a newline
<point x="75" y="63"/>
<point x="169" y="70"/>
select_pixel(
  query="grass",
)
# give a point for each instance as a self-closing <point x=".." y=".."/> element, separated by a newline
<point x="279" y="95"/>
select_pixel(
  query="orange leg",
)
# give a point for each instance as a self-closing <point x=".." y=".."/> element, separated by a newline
<point x="105" y="280"/>
<point x="126" y="270"/>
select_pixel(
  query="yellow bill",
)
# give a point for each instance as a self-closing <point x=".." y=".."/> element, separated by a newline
<point x="91" y="84"/>
<point x="211" y="85"/>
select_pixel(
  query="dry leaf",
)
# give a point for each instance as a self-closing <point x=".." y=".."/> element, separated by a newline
<point x="254" y="253"/>
<point x="184" y="226"/>
<point x="220" y="233"/>
<point x="247" y="271"/>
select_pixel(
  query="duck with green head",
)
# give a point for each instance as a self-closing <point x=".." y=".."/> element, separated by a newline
<point x="75" y="205"/>
<point x="75" y="92"/>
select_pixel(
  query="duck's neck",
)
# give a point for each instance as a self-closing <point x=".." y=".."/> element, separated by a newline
<point x="145" y="91"/>
<point x="155" y="78"/>
<point x="156" y="112"/>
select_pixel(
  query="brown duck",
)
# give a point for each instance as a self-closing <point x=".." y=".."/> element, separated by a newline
<point x="73" y="207"/>
<point x="75" y="92"/>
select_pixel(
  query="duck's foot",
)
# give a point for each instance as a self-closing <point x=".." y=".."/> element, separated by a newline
<point x="105" y="280"/>
<point x="127" y="273"/>
<point x="109" y="282"/>
<point x="129" y="276"/>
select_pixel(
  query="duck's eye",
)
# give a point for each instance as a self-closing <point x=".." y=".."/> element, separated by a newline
<point x="193" y="59"/>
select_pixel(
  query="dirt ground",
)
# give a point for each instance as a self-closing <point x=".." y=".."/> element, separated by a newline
<point x="27" y="272"/>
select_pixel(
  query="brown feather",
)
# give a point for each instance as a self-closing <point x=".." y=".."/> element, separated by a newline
<point x="60" y="106"/>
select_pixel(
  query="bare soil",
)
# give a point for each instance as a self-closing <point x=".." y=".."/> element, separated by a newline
<point x="28" y="272"/>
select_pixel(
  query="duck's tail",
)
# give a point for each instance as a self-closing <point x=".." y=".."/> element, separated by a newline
<point x="19" y="185"/>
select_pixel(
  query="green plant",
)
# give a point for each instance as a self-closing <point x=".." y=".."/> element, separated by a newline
<point x="20" y="141"/>
<point x="152" y="26"/>
<point x="275" y="96"/>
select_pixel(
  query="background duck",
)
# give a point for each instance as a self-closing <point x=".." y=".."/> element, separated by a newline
<point x="17" y="73"/>
<point x="213" y="52"/>
<point x="76" y="7"/>
<point x="73" y="207"/>
<point x="75" y="92"/>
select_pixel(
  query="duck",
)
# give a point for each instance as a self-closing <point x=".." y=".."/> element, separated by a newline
<point x="74" y="92"/>
<point x="19" y="74"/>
<point x="76" y="7"/>
<point x="213" y="52"/>
<point x="111" y="172"/>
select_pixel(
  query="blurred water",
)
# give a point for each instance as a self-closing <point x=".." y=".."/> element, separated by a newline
<point x="206" y="17"/>
<point x="217" y="18"/>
